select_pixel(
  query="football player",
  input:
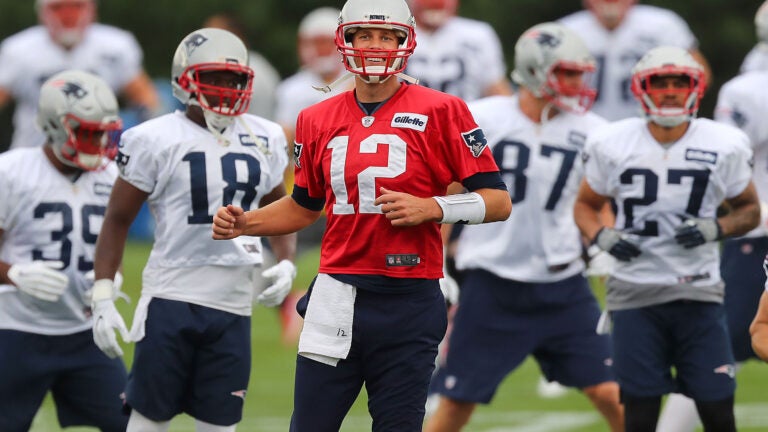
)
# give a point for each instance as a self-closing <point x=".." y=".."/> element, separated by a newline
<point x="52" y="202"/>
<point x="618" y="33"/>
<point x="757" y="58"/>
<point x="192" y="323"/>
<point x="378" y="160"/>
<point x="68" y="38"/>
<point x="456" y="55"/>
<point x="526" y="273"/>
<point x="667" y="174"/>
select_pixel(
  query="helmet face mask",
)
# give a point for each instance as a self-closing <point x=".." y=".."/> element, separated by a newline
<point x="78" y="113"/>
<point x="660" y="69"/>
<point x="210" y="70"/>
<point x="553" y="63"/>
<point x="66" y="20"/>
<point x="380" y="14"/>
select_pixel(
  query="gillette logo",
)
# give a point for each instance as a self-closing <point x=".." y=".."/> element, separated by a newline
<point x="410" y="121"/>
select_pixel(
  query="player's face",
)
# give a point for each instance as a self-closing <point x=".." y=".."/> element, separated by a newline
<point x="610" y="13"/>
<point x="214" y="85"/>
<point x="375" y="39"/>
<point x="66" y="20"/>
<point x="319" y="54"/>
<point x="569" y="81"/>
<point x="432" y="14"/>
<point x="70" y="13"/>
<point x="670" y="91"/>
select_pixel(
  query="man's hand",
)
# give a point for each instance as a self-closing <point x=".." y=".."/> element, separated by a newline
<point x="695" y="232"/>
<point x="106" y="319"/>
<point x="40" y="279"/>
<point x="282" y="275"/>
<point x="616" y="244"/>
<point x="228" y="222"/>
<point x="404" y="209"/>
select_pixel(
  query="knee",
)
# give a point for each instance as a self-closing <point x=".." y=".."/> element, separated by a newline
<point x="451" y="415"/>
<point x="603" y="393"/>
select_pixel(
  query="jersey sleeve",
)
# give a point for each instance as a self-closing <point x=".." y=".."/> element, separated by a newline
<point x="596" y="167"/>
<point x="128" y="66"/>
<point x="307" y="171"/>
<point x="734" y="108"/>
<point x="278" y="159"/>
<point x="7" y="66"/>
<point x="6" y="201"/>
<point x="137" y="161"/>
<point x="738" y="166"/>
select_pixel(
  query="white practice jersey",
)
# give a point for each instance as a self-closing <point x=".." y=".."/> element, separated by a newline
<point x="463" y="58"/>
<point x="296" y="93"/>
<point x="48" y="216"/>
<point x="617" y="52"/>
<point x="756" y="59"/>
<point x="656" y="188"/>
<point x="265" y="82"/>
<point x="541" y="165"/>
<point x="743" y="102"/>
<point x="30" y="57"/>
<point x="188" y="176"/>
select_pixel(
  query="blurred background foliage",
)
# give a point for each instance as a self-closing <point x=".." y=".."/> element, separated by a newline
<point x="724" y="27"/>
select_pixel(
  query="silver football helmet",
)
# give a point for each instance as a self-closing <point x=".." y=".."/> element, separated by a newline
<point x="540" y="51"/>
<point x="665" y="61"/>
<point x="78" y="113"/>
<point x="386" y="14"/>
<point x="761" y="23"/>
<point x="317" y="43"/>
<point x="212" y="50"/>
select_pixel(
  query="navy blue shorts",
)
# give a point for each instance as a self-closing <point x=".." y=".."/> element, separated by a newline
<point x="394" y="344"/>
<point x="690" y="336"/>
<point x="741" y="268"/>
<point x="500" y="322"/>
<point x="86" y="385"/>
<point x="193" y="359"/>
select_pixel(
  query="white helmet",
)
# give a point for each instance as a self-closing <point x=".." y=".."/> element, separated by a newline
<point x="544" y="48"/>
<point x="668" y="60"/>
<point x="317" y="48"/>
<point x="66" y="20"/>
<point x="78" y="113"/>
<point x="212" y="50"/>
<point x="386" y="14"/>
<point x="761" y="23"/>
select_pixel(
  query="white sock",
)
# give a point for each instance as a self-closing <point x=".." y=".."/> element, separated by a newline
<point x="201" y="426"/>
<point x="139" y="423"/>
<point x="679" y="415"/>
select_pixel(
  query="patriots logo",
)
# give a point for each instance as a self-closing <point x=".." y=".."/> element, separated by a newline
<point x="71" y="89"/>
<point x="726" y="369"/>
<point x="122" y="159"/>
<point x="739" y="119"/>
<point x="475" y="140"/>
<point x="547" y="40"/>
<point x="194" y="41"/>
<point x="297" y="148"/>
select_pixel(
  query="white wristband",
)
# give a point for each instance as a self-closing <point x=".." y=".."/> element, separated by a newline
<point x="103" y="289"/>
<point x="466" y="208"/>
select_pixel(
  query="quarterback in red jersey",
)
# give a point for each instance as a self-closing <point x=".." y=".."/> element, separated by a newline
<point x="379" y="159"/>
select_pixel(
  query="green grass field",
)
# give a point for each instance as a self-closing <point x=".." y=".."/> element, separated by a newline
<point x="516" y="408"/>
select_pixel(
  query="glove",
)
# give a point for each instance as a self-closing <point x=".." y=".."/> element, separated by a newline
<point x="282" y="275"/>
<point x="450" y="289"/>
<point x="117" y="283"/>
<point x="616" y="244"/>
<point x="106" y="319"/>
<point x="695" y="232"/>
<point x="40" y="279"/>
<point x="601" y="263"/>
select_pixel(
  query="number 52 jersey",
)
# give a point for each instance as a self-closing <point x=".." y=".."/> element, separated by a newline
<point x="657" y="187"/>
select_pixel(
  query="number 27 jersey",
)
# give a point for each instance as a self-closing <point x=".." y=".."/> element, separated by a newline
<point x="417" y="142"/>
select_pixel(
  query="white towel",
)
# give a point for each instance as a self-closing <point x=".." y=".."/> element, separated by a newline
<point x="327" y="333"/>
<point x="139" y="319"/>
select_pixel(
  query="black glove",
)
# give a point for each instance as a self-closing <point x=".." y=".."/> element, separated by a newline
<point x="695" y="232"/>
<point x="616" y="244"/>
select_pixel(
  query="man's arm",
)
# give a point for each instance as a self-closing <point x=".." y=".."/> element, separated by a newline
<point x="124" y="203"/>
<point x="588" y="211"/>
<point x="283" y="246"/>
<point x="759" y="328"/>
<point x="140" y="91"/>
<point x="744" y="214"/>
<point x="283" y="216"/>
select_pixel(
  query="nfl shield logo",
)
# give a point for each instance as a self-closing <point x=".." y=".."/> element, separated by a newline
<point x="368" y="121"/>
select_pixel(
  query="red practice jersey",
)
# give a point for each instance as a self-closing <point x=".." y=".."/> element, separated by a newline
<point x="418" y="142"/>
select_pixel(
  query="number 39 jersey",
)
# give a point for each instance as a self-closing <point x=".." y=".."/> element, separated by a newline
<point x="417" y="142"/>
<point x="541" y="164"/>
<point x="47" y="216"/>
<point x="656" y="188"/>
<point x="188" y="175"/>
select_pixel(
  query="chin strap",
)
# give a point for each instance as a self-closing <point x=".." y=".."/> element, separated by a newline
<point x="329" y="88"/>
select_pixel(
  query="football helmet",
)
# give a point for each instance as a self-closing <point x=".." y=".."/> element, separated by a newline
<point x="540" y="51"/>
<point x="66" y="20"/>
<point x="78" y="113"/>
<point x="212" y="50"/>
<point x="761" y="23"/>
<point x="432" y="14"/>
<point x="610" y="13"/>
<point x="385" y="14"/>
<point x="668" y="60"/>
<point x="317" y="44"/>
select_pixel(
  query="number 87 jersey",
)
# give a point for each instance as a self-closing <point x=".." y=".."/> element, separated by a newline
<point x="417" y="142"/>
<point x="656" y="187"/>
